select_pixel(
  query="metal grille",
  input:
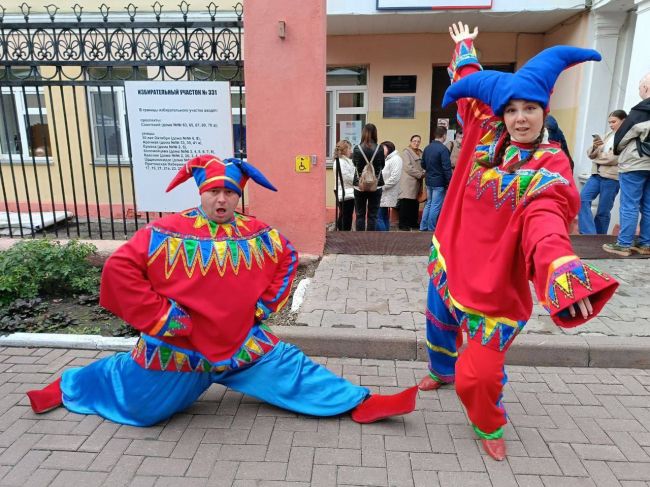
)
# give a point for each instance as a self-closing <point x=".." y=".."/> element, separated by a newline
<point x="64" y="135"/>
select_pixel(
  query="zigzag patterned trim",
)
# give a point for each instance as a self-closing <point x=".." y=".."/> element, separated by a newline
<point x="219" y="254"/>
<point x="464" y="54"/>
<point x="228" y="229"/>
<point x="154" y="354"/>
<point x="520" y="187"/>
<point x="497" y="332"/>
<point x="567" y="272"/>
<point x="174" y="321"/>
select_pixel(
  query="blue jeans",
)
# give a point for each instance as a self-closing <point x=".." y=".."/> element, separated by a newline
<point x="435" y="197"/>
<point x="606" y="191"/>
<point x="383" y="219"/>
<point x="635" y="197"/>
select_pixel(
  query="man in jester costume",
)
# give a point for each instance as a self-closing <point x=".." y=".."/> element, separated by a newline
<point x="198" y="285"/>
<point x="504" y="223"/>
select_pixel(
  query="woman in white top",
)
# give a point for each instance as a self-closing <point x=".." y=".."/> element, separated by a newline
<point x="345" y="193"/>
<point x="391" y="173"/>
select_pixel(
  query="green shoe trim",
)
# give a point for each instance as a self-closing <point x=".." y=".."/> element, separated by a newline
<point x="488" y="436"/>
<point x="436" y="378"/>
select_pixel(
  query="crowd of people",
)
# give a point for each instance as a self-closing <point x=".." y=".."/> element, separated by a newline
<point x="410" y="184"/>
<point x="413" y="183"/>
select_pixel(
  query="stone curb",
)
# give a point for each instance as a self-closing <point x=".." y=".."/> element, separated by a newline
<point x="528" y="349"/>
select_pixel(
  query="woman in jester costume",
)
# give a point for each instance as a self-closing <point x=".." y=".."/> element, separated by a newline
<point x="198" y="285"/>
<point x="504" y="223"/>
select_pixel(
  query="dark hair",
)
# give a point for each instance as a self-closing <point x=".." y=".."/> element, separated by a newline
<point x="414" y="136"/>
<point x="369" y="134"/>
<point x="439" y="132"/>
<point x="389" y="145"/>
<point x="620" y="114"/>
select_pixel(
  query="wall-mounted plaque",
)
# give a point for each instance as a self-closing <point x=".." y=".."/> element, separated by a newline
<point x="400" y="84"/>
<point x="399" y="107"/>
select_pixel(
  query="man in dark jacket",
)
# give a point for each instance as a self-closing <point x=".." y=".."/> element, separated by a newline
<point x="437" y="165"/>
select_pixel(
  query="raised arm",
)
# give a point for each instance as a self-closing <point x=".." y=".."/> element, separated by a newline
<point x="463" y="63"/>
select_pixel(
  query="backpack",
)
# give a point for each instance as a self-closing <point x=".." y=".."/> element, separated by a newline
<point x="368" y="179"/>
<point x="643" y="146"/>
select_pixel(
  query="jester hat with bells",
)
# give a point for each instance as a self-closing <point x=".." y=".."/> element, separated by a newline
<point x="210" y="172"/>
<point x="533" y="82"/>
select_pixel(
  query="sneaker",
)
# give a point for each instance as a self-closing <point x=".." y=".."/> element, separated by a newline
<point x="615" y="248"/>
<point x="641" y="249"/>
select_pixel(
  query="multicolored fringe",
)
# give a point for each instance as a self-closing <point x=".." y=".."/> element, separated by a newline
<point x="208" y="253"/>
<point x="495" y="332"/>
<point x="174" y="323"/>
<point x="566" y="273"/>
<point x="154" y="354"/>
<point x="519" y="187"/>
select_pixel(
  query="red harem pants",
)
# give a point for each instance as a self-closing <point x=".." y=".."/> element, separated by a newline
<point x="477" y="370"/>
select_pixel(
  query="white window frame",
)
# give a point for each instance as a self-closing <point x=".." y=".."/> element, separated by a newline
<point x="335" y="110"/>
<point x="120" y="112"/>
<point x="234" y="110"/>
<point x="21" y="112"/>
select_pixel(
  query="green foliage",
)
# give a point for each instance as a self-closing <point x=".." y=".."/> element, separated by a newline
<point x="45" y="268"/>
<point x="31" y="315"/>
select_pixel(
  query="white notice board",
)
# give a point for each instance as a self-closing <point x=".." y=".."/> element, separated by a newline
<point x="350" y="131"/>
<point x="170" y="122"/>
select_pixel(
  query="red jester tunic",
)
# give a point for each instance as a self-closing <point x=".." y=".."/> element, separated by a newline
<point x="498" y="231"/>
<point x="199" y="291"/>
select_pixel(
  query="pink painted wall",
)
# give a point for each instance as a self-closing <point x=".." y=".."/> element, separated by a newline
<point x="285" y="115"/>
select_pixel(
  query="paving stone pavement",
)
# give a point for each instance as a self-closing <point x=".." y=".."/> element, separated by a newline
<point x="377" y="291"/>
<point x="569" y="427"/>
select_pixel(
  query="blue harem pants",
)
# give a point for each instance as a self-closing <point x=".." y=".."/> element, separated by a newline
<point x="119" y="389"/>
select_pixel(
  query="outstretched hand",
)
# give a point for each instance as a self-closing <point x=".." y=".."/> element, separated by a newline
<point x="460" y="32"/>
<point x="584" y="305"/>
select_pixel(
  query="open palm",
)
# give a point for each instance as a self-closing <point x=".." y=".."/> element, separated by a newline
<point x="460" y="32"/>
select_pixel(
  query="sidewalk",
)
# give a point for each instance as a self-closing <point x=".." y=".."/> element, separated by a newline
<point x="373" y="307"/>
<point x="568" y="427"/>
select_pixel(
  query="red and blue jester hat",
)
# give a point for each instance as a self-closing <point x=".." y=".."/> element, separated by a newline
<point x="210" y="172"/>
<point x="533" y="82"/>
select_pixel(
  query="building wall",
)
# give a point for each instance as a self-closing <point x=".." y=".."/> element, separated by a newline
<point x="285" y="107"/>
<point x="415" y="54"/>
<point x="565" y="101"/>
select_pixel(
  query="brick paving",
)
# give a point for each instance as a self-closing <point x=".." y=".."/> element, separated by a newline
<point x="387" y="291"/>
<point x="570" y="427"/>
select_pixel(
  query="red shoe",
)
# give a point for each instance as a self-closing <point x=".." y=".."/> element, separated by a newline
<point x="46" y="399"/>
<point x="428" y="383"/>
<point x="495" y="448"/>
<point x="379" y="406"/>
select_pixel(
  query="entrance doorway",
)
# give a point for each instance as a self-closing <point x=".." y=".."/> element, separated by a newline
<point x="440" y="83"/>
